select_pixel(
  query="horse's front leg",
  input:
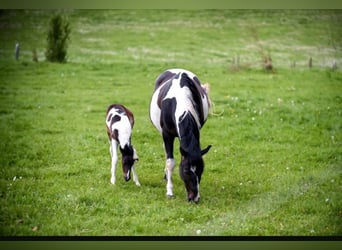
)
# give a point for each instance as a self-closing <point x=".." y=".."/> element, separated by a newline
<point x="170" y="163"/>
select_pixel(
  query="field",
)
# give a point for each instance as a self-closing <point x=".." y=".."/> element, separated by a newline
<point x="275" y="167"/>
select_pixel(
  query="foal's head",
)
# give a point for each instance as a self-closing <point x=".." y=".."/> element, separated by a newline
<point x="129" y="157"/>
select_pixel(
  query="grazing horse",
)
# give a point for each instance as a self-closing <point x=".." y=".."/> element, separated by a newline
<point x="119" y="123"/>
<point x="179" y="108"/>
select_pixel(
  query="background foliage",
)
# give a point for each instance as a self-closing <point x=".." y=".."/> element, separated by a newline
<point x="57" y="39"/>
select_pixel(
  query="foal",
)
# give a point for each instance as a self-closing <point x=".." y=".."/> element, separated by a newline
<point x="119" y="123"/>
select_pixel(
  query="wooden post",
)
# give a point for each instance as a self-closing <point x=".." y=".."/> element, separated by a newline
<point x="34" y="55"/>
<point x="310" y="62"/>
<point x="17" y="48"/>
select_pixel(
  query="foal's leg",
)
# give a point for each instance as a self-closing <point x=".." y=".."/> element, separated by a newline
<point x="170" y="163"/>
<point x="114" y="154"/>
<point x="135" y="177"/>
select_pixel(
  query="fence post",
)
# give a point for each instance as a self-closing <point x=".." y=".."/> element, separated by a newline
<point x="310" y="62"/>
<point x="17" y="48"/>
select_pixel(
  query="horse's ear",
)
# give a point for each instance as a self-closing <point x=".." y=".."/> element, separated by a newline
<point x="204" y="151"/>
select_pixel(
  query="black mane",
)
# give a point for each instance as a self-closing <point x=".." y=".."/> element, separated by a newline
<point x="197" y="94"/>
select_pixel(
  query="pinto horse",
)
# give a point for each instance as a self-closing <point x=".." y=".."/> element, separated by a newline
<point x="119" y="123"/>
<point x="179" y="108"/>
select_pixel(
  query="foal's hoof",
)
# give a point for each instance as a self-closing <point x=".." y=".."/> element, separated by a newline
<point x="170" y="196"/>
<point x="195" y="201"/>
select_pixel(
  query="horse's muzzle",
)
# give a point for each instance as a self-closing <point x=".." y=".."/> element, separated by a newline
<point x="193" y="198"/>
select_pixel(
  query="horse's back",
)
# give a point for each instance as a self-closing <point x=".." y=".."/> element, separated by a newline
<point x="178" y="91"/>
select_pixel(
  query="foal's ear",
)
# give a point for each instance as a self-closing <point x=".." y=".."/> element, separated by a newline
<point x="204" y="151"/>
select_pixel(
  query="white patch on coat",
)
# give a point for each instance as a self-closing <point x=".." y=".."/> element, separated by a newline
<point x="155" y="110"/>
<point x="123" y="126"/>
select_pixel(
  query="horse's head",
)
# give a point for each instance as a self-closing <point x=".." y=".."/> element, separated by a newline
<point x="129" y="157"/>
<point x="191" y="169"/>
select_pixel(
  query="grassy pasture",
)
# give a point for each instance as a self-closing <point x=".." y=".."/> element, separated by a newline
<point x="276" y="162"/>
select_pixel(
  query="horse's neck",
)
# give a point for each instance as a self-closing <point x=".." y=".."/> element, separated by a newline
<point x="189" y="134"/>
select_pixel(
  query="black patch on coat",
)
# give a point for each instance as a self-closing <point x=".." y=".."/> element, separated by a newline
<point x="127" y="150"/>
<point x="115" y="135"/>
<point x="109" y="117"/>
<point x="181" y="117"/>
<point x="163" y="92"/>
<point x="163" y="78"/>
<point x="167" y="116"/>
<point x="118" y="107"/>
<point x="189" y="134"/>
<point x="116" y="118"/>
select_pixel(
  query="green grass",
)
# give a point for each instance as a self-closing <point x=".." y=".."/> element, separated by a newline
<point x="275" y="167"/>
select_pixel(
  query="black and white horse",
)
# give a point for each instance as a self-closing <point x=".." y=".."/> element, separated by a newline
<point x="119" y="123"/>
<point x="179" y="108"/>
